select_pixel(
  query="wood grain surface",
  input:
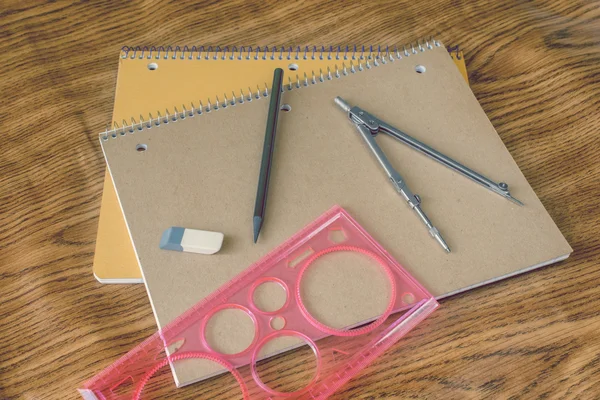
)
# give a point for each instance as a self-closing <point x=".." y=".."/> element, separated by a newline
<point x="535" y="68"/>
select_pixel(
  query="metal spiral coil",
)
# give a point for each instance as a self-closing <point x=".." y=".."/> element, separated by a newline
<point x="258" y="53"/>
<point x="355" y="64"/>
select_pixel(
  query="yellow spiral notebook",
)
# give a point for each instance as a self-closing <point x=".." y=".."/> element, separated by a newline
<point x="150" y="85"/>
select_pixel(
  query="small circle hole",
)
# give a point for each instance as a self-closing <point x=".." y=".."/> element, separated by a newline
<point x="152" y="66"/>
<point x="293" y="67"/>
<point x="408" y="298"/>
<point x="286" y="107"/>
<point x="141" y="147"/>
<point x="420" y="69"/>
<point x="277" y="323"/>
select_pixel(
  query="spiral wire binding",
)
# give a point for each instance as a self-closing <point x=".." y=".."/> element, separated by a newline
<point x="358" y="62"/>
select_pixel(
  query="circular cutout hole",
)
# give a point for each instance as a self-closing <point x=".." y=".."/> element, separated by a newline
<point x="141" y="147"/>
<point x="191" y="366"/>
<point x="408" y="298"/>
<point x="270" y="296"/>
<point x="420" y="69"/>
<point x="286" y="108"/>
<point x="344" y="289"/>
<point x="230" y="330"/>
<point x="290" y="352"/>
<point x="153" y="66"/>
<point x="277" y="323"/>
<point x="293" y="67"/>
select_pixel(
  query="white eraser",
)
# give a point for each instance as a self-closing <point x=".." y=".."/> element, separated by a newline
<point x="191" y="240"/>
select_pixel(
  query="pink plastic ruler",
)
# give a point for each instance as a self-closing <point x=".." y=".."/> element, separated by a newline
<point x="339" y="357"/>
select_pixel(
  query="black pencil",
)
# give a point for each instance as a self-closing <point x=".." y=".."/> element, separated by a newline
<point x="267" y="156"/>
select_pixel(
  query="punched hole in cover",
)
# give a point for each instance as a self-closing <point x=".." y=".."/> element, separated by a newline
<point x="293" y="67"/>
<point x="286" y="108"/>
<point x="141" y="147"/>
<point x="153" y="66"/>
<point x="420" y="69"/>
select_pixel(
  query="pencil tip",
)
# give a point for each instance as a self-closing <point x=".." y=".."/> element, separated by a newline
<point x="257" y="225"/>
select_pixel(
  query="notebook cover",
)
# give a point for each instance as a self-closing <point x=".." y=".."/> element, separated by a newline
<point x="202" y="173"/>
<point x="176" y="81"/>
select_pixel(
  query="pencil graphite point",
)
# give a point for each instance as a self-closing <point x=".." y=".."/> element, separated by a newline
<point x="257" y="225"/>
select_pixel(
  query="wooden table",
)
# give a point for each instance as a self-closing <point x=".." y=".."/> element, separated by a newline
<point x="535" y="68"/>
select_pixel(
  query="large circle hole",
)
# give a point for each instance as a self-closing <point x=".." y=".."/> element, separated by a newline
<point x="230" y="330"/>
<point x="345" y="289"/>
<point x="287" y="364"/>
<point x="270" y="296"/>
